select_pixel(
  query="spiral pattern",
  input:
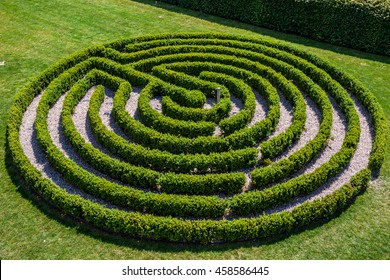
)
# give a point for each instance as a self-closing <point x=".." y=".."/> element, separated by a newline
<point x="197" y="137"/>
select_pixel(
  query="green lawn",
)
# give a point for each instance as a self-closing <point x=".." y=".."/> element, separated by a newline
<point x="34" y="34"/>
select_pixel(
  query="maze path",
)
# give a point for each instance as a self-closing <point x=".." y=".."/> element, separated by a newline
<point x="119" y="136"/>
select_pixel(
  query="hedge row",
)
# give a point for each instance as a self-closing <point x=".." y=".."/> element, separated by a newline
<point x="174" y="110"/>
<point x="204" y="231"/>
<point x="165" y="161"/>
<point x="243" y="140"/>
<point x="307" y="153"/>
<point x="161" y="204"/>
<point x="291" y="55"/>
<point x="197" y="187"/>
<point x="360" y="24"/>
<point x="240" y="90"/>
<point x="254" y="134"/>
<point x="139" y="176"/>
<point x="272" y="47"/>
<point x="292" y="93"/>
<point x="319" y="142"/>
<point x="187" y="229"/>
<point x="164" y="124"/>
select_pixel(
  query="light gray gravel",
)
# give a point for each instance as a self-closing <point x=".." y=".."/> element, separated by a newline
<point x="36" y="156"/>
<point x="358" y="162"/>
<point x="218" y="131"/>
<point x="286" y="116"/>
<point x="81" y="121"/>
<point x="313" y="118"/>
<point x="310" y="130"/>
<point x="132" y="103"/>
<point x="261" y="109"/>
<point x="237" y="105"/>
<point x="105" y="113"/>
<point x="60" y="140"/>
<point x="156" y="103"/>
<point x="210" y="102"/>
<point x="334" y="144"/>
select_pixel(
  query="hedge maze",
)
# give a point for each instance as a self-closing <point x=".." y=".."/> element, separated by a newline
<point x="129" y="137"/>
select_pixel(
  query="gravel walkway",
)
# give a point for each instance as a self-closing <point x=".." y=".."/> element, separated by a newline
<point x="358" y="162"/>
<point x="237" y="105"/>
<point x="36" y="156"/>
<point x="286" y="116"/>
<point x="81" y="122"/>
<point x="60" y="140"/>
<point x="335" y="142"/>
<point x="156" y="103"/>
<point x="132" y="103"/>
<point x="313" y="119"/>
<point x="210" y="102"/>
<point x="310" y="130"/>
<point x="261" y="109"/>
<point x="107" y="117"/>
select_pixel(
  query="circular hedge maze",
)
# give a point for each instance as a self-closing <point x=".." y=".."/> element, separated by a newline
<point x="197" y="137"/>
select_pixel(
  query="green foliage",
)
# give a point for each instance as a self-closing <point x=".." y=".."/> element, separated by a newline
<point x="163" y="124"/>
<point x="358" y="24"/>
<point x="185" y="207"/>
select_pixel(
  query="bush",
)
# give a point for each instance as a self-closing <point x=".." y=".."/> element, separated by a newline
<point x="360" y="24"/>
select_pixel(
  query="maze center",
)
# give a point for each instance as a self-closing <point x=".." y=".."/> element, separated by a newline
<point x="197" y="137"/>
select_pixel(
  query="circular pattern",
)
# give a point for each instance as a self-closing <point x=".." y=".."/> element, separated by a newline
<point x="130" y="137"/>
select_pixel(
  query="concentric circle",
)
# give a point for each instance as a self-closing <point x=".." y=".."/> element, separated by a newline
<point x="197" y="137"/>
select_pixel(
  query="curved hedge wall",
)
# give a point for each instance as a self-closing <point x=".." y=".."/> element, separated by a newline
<point x="359" y="24"/>
<point x="161" y="177"/>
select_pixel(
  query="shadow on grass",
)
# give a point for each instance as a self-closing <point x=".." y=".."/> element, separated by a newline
<point x="292" y="38"/>
<point x="122" y="240"/>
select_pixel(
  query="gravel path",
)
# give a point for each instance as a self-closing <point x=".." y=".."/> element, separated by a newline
<point x="358" y="162"/>
<point x="286" y="116"/>
<point x="156" y="103"/>
<point x="107" y="117"/>
<point x="261" y="109"/>
<point x="81" y="122"/>
<point x="132" y="103"/>
<point x="335" y="142"/>
<point x="313" y="119"/>
<point x="210" y="102"/>
<point x="237" y="105"/>
<point x="59" y="139"/>
<point x="36" y="156"/>
<point x="310" y="130"/>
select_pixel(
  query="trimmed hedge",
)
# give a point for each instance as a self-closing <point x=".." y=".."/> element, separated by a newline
<point x="240" y="90"/>
<point x="234" y="61"/>
<point x="138" y="176"/>
<point x="163" y="124"/>
<point x="359" y="24"/>
<point x="161" y="160"/>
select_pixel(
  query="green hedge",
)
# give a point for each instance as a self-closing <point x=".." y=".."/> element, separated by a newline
<point x="162" y="160"/>
<point x="359" y="24"/>
<point x="183" y="217"/>
<point x="164" y="124"/>
<point x="242" y="138"/>
<point x="240" y="90"/>
<point x="127" y="173"/>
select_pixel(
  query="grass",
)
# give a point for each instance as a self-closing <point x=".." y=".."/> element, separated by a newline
<point x="34" y="34"/>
